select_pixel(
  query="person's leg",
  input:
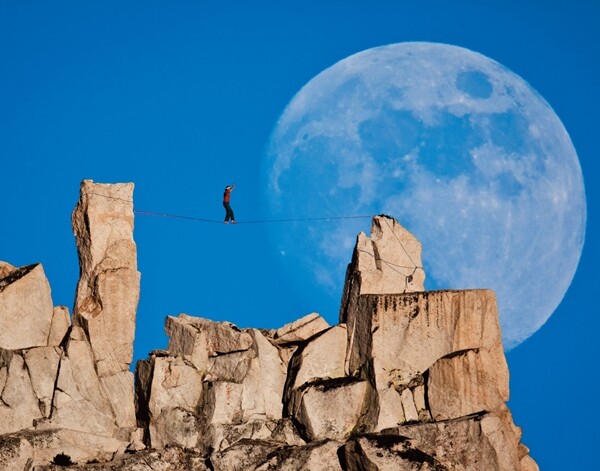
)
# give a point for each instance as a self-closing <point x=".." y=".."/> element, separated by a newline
<point x="227" y="211"/>
<point x="231" y="214"/>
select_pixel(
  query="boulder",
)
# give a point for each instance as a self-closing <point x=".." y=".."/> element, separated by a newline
<point x="317" y="360"/>
<point x="321" y="358"/>
<point x="25" y="308"/>
<point x="301" y="329"/>
<point x="223" y="402"/>
<point x="463" y="383"/>
<point x="61" y="321"/>
<point x="220" y="437"/>
<point x="202" y="341"/>
<point x="388" y="262"/>
<point x="264" y="381"/>
<point x="118" y="390"/>
<point x="333" y="409"/>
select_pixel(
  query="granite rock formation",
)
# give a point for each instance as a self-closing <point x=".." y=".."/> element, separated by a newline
<point x="408" y="379"/>
<point x="65" y="387"/>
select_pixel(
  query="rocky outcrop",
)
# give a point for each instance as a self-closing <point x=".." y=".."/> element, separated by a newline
<point x="214" y="385"/>
<point x="94" y="387"/>
<point x="30" y="332"/>
<point x="407" y="380"/>
<point x="67" y="388"/>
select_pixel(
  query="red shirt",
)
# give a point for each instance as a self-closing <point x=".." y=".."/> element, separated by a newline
<point x="227" y="195"/>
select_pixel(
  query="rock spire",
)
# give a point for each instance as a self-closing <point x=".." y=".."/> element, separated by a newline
<point x="388" y="262"/>
<point x="65" y="387"/>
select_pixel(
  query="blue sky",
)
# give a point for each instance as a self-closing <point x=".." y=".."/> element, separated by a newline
<point x="182" y="99"/>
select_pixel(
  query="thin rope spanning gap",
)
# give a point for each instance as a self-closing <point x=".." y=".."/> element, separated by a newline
<point x="176" y="216"/>
<point x="214" y="221"/>
<point x="325" y="218"/>
<point x="258" y="221"/>
<point x="152" y="213"/>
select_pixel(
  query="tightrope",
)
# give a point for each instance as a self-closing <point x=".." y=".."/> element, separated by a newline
<point x="393" y="266"/>
<point x="257" y="221"/>
<point x="214" y="221"/>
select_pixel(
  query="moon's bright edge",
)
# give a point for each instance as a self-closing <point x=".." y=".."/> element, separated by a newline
<point x="462" y="151"/>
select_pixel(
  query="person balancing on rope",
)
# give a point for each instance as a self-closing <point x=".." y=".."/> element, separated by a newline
<point x="226" y="199"/>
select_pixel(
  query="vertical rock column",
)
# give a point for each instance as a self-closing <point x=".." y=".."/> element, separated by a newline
<point x="108" y="289"/>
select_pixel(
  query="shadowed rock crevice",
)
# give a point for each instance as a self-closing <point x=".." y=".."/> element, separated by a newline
<point x="15" y="275"/>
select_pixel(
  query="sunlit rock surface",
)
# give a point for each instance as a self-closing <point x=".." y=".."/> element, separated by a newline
<point x="25" y="308"/>
<point x="408" y="380"/>
<point x="388" y="262"/>
<point x="108" y="289"/>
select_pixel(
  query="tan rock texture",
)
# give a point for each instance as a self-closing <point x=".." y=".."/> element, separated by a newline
<point x="61" y="321"/>
<point x="5" y="269"/>
<point x="410" y="380"/>
<point x="25" y="308"/>
<point x="388" y="262"/>
<point x="471" y="443"/>
<point x="395" y="339"/>
<point x="109" y="283"/>
<point x="301" y="329"/>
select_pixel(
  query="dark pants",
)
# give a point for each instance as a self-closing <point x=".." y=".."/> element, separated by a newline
<point x="228" y="212"/>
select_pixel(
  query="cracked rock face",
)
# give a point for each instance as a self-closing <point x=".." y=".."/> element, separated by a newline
<point x="409" y="380"/>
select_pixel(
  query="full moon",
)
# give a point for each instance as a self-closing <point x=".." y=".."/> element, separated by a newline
<point x="462" y="151"/>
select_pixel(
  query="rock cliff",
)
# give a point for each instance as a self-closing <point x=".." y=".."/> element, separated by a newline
<point x="408" y="379"/>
